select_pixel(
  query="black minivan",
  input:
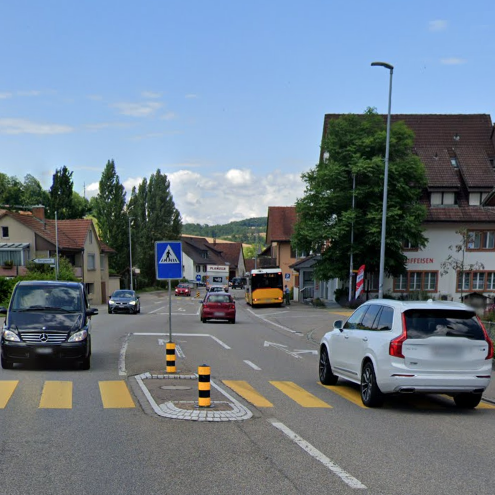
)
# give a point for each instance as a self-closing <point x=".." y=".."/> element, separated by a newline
<point x="47" y="319"/>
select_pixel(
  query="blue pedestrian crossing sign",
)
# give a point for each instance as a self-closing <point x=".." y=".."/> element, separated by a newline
<point x="168" y="260"/>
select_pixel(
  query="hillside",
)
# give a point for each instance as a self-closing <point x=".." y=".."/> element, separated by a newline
<point x="247" y="231"/>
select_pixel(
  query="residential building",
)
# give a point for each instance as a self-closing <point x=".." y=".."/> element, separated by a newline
<point x="28" y="235"/>
<point x="458" y="152"/>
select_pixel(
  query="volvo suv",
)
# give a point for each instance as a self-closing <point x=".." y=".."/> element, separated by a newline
<point x="396" y="347"/>
<point x="47" y="319"/>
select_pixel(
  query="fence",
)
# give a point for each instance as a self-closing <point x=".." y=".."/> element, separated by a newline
<point x="490" y="328"/>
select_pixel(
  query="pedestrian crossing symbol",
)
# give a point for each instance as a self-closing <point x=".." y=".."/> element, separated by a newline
<point x="168" y="256"/>
<point x="168" y="260"/>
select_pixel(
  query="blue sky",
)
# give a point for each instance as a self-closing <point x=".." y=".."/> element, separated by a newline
<point x="225" y="97"/>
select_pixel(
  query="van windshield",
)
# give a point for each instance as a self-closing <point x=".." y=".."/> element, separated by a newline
<point x="424" y="323"/>
<point x="37" y="297"/>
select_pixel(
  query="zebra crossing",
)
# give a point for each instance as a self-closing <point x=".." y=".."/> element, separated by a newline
<point x="349" y="393"/>
<point x="56" y="394"/>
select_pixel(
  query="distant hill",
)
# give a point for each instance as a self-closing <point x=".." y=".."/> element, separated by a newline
<point x="247" y="231"/>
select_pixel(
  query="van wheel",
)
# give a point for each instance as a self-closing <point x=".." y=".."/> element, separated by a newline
<point x="371" y="395"/>
<point x="7" y="364"/>
<point x="467" y="400"/>
<point x="86" y="363"/>
<point x="325" y="370"/>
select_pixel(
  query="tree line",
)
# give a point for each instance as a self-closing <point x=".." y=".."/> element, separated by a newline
<point x="150" y="214"/>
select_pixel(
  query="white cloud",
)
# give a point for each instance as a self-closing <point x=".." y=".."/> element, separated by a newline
<point x="168" y="116"/>
<point x="234" y="195"/>
<point x="138" y="109"/>
<point x="130" y="183"/>
<point x="438" y="25"/>
<point x="107" y="125"/>
<point x="150" y="94"/>
<point x="191" y="96"/>
<point x="453" y="61"/>
<point x="4" y="96"/>
<point x="32" y="92"/>
<point x="21" y="126"/>
<point x="94" y="97"/>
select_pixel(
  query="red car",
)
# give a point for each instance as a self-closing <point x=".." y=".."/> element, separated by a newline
<point x="183" y="290"/>
<point x="218" y="306"/>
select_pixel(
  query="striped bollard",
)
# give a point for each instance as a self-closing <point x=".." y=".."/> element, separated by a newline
<point x="170" y="354"/>
<point x="204" y="386"/>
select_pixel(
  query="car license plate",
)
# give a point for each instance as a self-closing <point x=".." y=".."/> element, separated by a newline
<point x="44" y="350"/>
<point x="448" y="351"/>
<point x="218" y="313"/>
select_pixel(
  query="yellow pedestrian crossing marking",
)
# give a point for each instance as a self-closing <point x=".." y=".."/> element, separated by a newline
<point x="299" y="395"/>
<point x="348" y="393"/>
<point x="7" y="388"/>
<point x="249" y="393"/>
<point x="56" y="395"/>
<point x="115" y="395"/>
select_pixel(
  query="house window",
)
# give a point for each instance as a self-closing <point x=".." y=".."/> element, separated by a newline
<point x="204" y="268"/>
<point x="373" y="282"/>
<point x="478" y="281"/>
<point x="409" y="246"/>
<point x="474" y="199"/>
<point x="442" y="198"/>
<point x="14" y="256"/>
<point x="463" y="280"/>
<point x="414" y="281"/>
<point x="198" y="268"/>
<point x="400" y="283"/>
<point x="454" y="162"/>
<point x="204" y="254"/>
<point x="490" y="281"/>
<point x="90" y="289"/>
<point x="91" y="261"/>
<point x="102" y="262"/>
<point x="482" y="240"/>
<point x="5" y="232"/>
<point x="430" y="281"/>
<point x="91" y="237"/>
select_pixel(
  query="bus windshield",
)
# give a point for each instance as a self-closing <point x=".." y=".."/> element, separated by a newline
<point x="266" y="281"/>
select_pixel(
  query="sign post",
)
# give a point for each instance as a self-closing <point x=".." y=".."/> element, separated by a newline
<point x="168" y="265"/>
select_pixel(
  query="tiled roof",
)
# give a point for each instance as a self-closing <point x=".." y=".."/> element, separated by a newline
<point x="231" y="252"/>
<point x="440" y="138"/>
<point x="280" y="223"/>
<point x="195" y="247"/>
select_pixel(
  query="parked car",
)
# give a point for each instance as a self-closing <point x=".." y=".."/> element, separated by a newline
<point x="124" y="301"/>
<point x="183" y="290"/>
<point x="238" y="282"/>
<point x="218" y="306"/>
<point x="390" y="347"/>
<point x="47" y="319"/>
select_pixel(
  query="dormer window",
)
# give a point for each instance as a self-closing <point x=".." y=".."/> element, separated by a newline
<point x="476" y="198"/>
<point x="454" y="162"/>
<point x="442" y="198"/>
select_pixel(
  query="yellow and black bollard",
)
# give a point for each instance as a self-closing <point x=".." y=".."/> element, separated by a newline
<point x="204" y="386"/>
<point x="170" y="357"/>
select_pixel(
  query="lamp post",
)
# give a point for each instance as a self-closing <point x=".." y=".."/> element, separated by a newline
<point x="352" y="238"/>
<point x="385" y="180"/>
<point x="130" y="250"/>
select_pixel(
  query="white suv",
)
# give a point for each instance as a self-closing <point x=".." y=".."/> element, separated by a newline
<point x="389" y="346"/>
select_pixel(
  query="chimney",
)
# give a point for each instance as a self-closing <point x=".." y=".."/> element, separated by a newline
<point x="39" y="212"/>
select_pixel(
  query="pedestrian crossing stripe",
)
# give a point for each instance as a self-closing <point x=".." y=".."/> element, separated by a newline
<point x="168" y="256"/>
<point x="59" y="394"/>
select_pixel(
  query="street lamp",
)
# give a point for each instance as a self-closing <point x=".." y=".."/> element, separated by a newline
<point x="130" y="250"/>
<point x="385" y="180"/>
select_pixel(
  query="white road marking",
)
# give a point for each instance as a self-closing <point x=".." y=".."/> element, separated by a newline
<point x="249" y="363"/>
<point x="157" y="309"/>
<point x="301" y="351"/>
<point x="282" y="348"/>
<point x="314" y="452"/>
<point x="272" y="323"/>
<point x="123" y="349"/>
<point x="178" y="350"/>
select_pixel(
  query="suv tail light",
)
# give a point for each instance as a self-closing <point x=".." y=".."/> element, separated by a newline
<point x="395" y="347"/>
<point x="488" y="340"/>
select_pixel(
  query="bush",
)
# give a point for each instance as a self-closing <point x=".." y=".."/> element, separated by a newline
<point x="318" y="303"/>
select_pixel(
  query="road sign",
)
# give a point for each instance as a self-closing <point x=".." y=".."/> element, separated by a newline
<point x="198" y="278"/>
<point x="168" y="260"/>
<point x="44" y="261"/>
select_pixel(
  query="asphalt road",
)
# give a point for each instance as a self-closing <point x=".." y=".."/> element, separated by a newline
<point x="86" y="432"/>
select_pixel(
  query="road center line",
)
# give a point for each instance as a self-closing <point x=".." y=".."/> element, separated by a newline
<point x="249" y="363"/>
<point x="314" y="452"/>
<point x="272" y="323"/>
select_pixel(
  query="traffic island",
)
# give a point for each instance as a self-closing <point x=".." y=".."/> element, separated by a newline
<point x="176" y="397"/>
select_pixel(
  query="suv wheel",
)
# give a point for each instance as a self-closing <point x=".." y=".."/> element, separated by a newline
<point x="371" y="395"/>
<point x="7" y="364"/>
<point x="86" y="363"/>
<point x="467" y="400"/>
<point x="325" y="370"/>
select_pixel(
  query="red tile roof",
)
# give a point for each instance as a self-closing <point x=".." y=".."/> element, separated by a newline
<point x="231" y="252"/>
<point x="439" y="138"/>
<point x="280" y="223"/>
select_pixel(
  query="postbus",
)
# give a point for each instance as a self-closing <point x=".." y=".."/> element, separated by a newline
<point x="265" y="286"/>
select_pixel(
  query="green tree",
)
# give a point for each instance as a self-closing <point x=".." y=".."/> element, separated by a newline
<point x="61" y="194"/>
<point x="11" y="191"/>
<point x="154" y="218"/>
<point x="33" y="192"/>
<point x="355" y="145"/>
<point x="110" y="212"/>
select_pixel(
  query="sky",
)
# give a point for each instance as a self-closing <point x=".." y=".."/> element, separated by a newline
<point x="227" y="98"/>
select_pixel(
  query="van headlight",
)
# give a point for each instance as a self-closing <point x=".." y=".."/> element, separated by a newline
<point x="10" y="336"/>
<point x="78" y="336"/>
<point x="132" y="302"/>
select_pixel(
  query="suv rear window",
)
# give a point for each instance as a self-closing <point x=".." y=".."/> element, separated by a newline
<point x="424" y="323"/>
